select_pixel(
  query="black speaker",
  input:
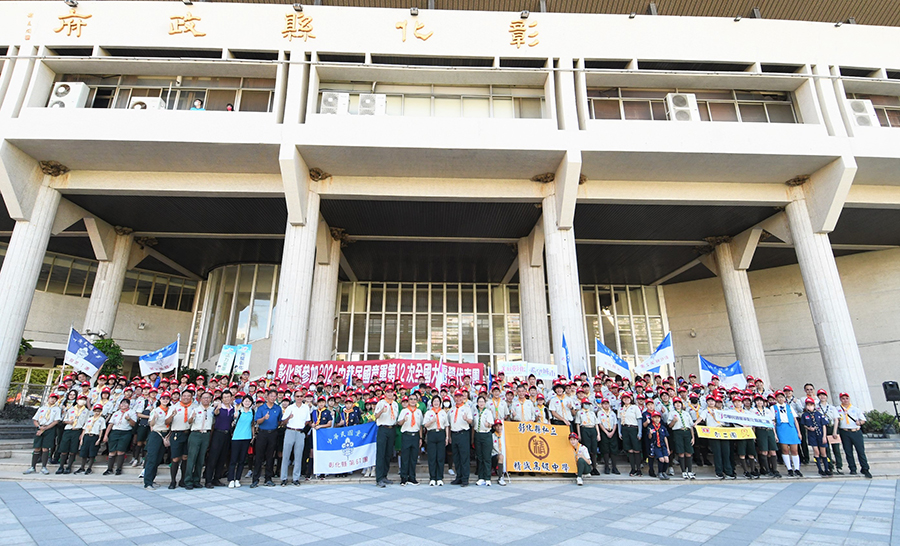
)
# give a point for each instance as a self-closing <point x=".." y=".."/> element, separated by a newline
<point x="891" y="391"/>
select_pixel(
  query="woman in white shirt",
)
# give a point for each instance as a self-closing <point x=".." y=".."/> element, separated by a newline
<point x="437" y="438"/>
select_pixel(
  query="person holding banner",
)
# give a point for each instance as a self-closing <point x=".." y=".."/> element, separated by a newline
<point x="386" y="413"/>
<point x="461" y="419"/>
<point x="787" y="434"/>
<point x="437" y="437"/>
<point x="410" y="421"/>
<point x="582" y="458"/>
<point x="484" y="423"/>
<point x="720" y="448"/>
<point x="766" y="446"/>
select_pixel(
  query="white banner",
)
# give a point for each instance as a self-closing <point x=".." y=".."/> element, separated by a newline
<point x="546" y="372"/>
<point x="226" y="359"/>
<point x="161" y="361"/>
<point x="242" y="359"/>
<point x="743" y="418"/>
<point x="345" y="449"/>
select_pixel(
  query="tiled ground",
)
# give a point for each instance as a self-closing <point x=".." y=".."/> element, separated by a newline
<point x="735" y="513"/>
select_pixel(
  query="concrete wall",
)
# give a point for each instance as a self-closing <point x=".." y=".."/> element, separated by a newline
<point x="51" y="316"/>
<point x="871" y="283"/>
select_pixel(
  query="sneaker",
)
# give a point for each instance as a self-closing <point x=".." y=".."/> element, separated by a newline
<point x="134" y="463"/>
<point x="790" y="473"/>
<point x="596" y="472"/>
<point x="402" y="483"/>
<point x="838" y="471"/>
<point x="80" y="471"/>
<point x="579" y="481"/>
<point x="44" y="470"/>
<point x="118" y="472"/>
<point x="270" y="483"/>
<point x="720" y="476"/>
<point x="671" y="471"/>
<point x="692" y="476"/>
<point x="297" y="483"/>
<point x="440" y="483"/>
<point x="29" y="471"/>
<point x="151" y="487"/>
<point x="487" y="483"/>
<point x="479" y="483"/>
<point x="88" y="471"/>
<point x="61" y="470"/>
<point x="501" y="481"/>
<point x="732" y="477"/>
<point x="684" y="476"/>
<point x="380" y="484"/>
<point x="413" y="482"/>
<point x="141" y="476"/>
<point x="615" y="471"/>
<point x="231" y="484"/>
<point x="107" y="472"/>
<point x="249" y="474"/>
<point x="237" y="483"/>
<point x="254" y="484"/>
<point x="284" y="483"/>
<point x="432" y="483"/>
<point x="451" y="472"/>
<point x="853" y="472"/>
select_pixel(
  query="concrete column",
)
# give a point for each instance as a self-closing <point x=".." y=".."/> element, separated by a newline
<point x="19" y="274"/>
<point x="295" y="287"/>
<point x="741" y="314"/>
<point x="533" y="295"/>
<point x="827" y="304"/>
<point x="107" y="290"/>
<point x="320" y="339"/>
<point x="566" y="315"/>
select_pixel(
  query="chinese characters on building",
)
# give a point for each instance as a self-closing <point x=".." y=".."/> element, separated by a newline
<point x="297" y="25"/>
<point x="71" y="23"/>
<point x="519" y="32"/>
<point x="184" y="25"/>
<point x="417" y="32"/>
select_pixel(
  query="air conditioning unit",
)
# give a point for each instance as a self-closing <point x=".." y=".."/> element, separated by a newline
<point x="147" y="103"/>
<point x="335" y="103"/>
<point x="372" y="104"/>
<point x="682" y="107"/>
<point x="69" y="95"/>
<point x="862" y="113"/>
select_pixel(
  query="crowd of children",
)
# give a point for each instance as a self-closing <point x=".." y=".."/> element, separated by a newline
<point x="209" y="431"/>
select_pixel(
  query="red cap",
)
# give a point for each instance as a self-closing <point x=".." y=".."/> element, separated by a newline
<point x="810" y="401"/>
<point x="459" y="393"/>
<point x="843" y="394"/>
<point x="498" y="422"/>
<point x="677" y="399"/>
<point x="540" y="396"/>
<point x="98" y="407"/>
<point x="779" y="392"/>
<point x="787" y="388"/>
<point x="821" y="391"/>
<point x="655" y="414"/>
<point x="573" y="435"/>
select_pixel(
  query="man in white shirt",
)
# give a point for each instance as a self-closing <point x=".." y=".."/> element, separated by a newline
<point x="386" y="413"/>
<point x="410" y="420"/>
<point x="522" y="410"/>
<point x="460" y="434"/>
<point x="295" y="419"/>
<point x="198" y="441"/>
<point x="498" y="404"/>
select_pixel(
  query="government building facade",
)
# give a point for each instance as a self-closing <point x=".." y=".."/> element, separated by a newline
<point x="423" y="180"/>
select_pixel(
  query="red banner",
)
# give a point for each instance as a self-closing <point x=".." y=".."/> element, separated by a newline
<point x="407" y="371"/>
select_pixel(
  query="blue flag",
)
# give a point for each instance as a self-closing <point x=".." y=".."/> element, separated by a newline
<point x="345" y="449"/>
<point x="82" y="355"/>
<point x="565" y="347"/>
<point x="731" y="375"/>
<point x="610" y="361"/>
<point x="663" y="355"/>
<point x="160" y="361"/>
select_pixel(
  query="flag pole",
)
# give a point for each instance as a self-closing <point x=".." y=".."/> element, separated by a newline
<point x="177" y="356"/>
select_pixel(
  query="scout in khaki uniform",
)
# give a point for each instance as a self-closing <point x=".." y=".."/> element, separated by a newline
<point x="850" y="424"/>
<point x="89" y="442"/>
<point x="118" y="436"/>
<point x="460" y="422"/>
<point x="589" y="431"/>
<point x="73" y="419"/>
<point x="45" y="419"/>
<point x="608" y="423"/>
<point x="198" y="441"/>
<point x="582" y="458"/>
<point x="484" y="423"/>
<point x="630" y="432"/>
<point x="386" y="412"/>
<point x="159" y="420"/>
<point x="681" y="425"/>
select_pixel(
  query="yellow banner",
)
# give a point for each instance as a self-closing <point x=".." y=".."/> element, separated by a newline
<point x="535" y="447"/>
<point x="726" y="433"/>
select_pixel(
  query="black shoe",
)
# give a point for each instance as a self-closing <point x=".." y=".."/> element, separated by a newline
<point x="615" y="471"/>
<point x="254" y="484"/>
<point x="189" y="487"/>
<point x="88" y="471"/>
<point x="79" y="471"/>
<point x="867" y="474"/>
<point x="402" y="482"/>
<point x="380" y="484"/>
<point x="596" y="472"/>
<point x="54" y="461"/>
<point x="652" y="473"/>
<point x="748" y="475"/>
<point x="60" y="470"/>
<point x="217" y="483"/>
<point x="270" y="483"/>
<point x="732" y="477"/>
<point x="838" y="472"/>
<point x="173" y="485"/>
<point x="790" y="473"/>
<point x="798" y="473"/>
<point x="464" y="484"/>
<point x="181" y="483"/>
<point x="853" y="472"/>
<point x="638" y="473"/>
<point x="632" y="473"/>
<point x="720" y="476"/>
<point x="388" y="482"/>
<point x="118" y="472"/>
<point x="296" y="482"/>
<point x="67" y="471"/>
<point x="457" y="481"/>
<point x="210" y="486"/>
<point x="284" y="483"/>
<point x="606" y="470"/>
<point x="107" y="472"/>
<point x="414" y="482"/>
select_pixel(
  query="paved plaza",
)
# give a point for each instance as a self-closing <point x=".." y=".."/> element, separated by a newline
<point x="766" y="512"/>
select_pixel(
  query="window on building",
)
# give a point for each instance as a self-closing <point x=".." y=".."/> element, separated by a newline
<point x="486" y="101"/>
<point x="714" y="105"/>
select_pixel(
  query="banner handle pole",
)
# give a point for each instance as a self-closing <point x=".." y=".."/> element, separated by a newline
<point x="177" y="356"/>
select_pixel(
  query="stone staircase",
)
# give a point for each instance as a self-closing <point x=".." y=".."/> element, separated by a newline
<point x="15" y="456"/>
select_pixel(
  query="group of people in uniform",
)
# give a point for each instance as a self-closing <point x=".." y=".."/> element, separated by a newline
<point x="208" y="432"/>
